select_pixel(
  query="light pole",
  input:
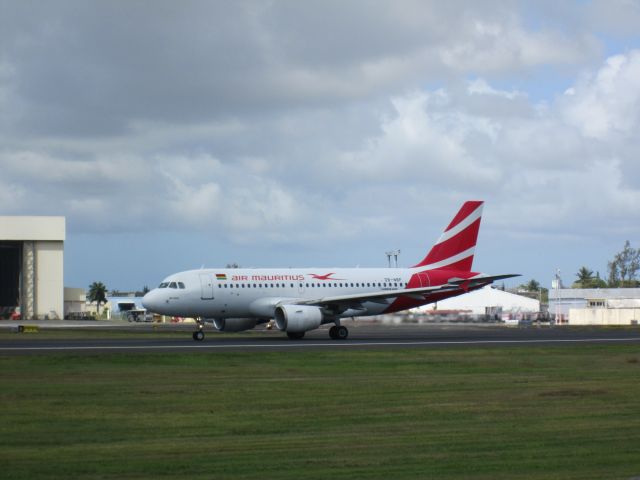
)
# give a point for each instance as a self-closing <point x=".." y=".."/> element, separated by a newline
<point x="394" y="254"/>
<point x="556" y="285"/>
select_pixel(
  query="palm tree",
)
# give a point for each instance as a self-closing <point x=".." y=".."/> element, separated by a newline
<point x="533" y="286"/>
<point x="585" y="277"/>
<point x="98" y="294"/>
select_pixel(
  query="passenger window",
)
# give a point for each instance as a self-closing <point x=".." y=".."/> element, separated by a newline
<point x="225" y="285"/>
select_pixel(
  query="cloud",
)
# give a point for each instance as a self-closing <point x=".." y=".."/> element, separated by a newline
<point x="504" y="45"/>
<point x="99" y="70"/>
<point x="607" y="102"/>
<point x="276" y="124"/>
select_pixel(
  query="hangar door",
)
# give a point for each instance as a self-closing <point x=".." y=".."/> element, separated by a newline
<point x="10" y="267"/>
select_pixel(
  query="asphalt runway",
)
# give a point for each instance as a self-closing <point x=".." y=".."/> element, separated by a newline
<point x="177" y="338"/>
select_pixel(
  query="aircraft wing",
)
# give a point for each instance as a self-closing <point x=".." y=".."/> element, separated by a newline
<point x="480" y="279"/>
<point x="355" y="301"/>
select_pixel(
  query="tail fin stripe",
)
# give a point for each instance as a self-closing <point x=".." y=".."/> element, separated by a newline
<point x="453" y="231"/>
<point x="456" y="246"/>
<point x="448" y="261"/>
<point x="464" y="212"/>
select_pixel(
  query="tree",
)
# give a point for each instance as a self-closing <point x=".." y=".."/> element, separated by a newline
<point x="585" y="278"/>
<point x="98" y="294"/>
<point x="624" y="267"/>
<point x="532" y="286"/>
<point x="598" y="282"/>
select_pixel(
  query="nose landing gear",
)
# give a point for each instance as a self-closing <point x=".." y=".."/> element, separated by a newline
<point x="198" y="335"/>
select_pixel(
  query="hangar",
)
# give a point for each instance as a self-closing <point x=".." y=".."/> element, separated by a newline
<point x="488" y="301"/>
<point x="31" y="266"/>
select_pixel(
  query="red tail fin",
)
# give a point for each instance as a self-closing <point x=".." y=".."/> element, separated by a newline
<point x="455" y="248"/>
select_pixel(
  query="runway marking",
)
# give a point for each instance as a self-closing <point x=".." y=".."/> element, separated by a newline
<point x="331" y="344"/>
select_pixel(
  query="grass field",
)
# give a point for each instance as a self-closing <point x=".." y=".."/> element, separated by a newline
<point x="486" y="413"/>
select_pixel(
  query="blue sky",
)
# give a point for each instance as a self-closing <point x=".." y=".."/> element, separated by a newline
<point x="321" y="133"/>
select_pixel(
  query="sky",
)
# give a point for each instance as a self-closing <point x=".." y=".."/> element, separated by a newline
<point x="176" y="135"/>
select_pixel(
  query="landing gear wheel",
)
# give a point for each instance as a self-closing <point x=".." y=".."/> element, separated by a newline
<point x="341" y="333"/>
<point x="333" y="332"/>
<point x="295" y="335"/>
<point x="198" y="336"/>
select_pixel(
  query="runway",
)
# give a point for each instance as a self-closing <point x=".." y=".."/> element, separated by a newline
<point x="177" y="338"/>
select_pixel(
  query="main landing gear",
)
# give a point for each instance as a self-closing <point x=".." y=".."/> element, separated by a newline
<point x="338" y="332"/>
<point x="198" y="335"/>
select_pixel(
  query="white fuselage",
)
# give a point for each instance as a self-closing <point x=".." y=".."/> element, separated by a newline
<point x="231" y="293"/>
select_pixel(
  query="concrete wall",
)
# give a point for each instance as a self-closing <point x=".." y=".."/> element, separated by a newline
<point x="32" y="228"/>
<point x="604" y="316"/>
<point x="49" y="301"/>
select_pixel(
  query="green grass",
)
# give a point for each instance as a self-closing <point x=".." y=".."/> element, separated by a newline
<point x="486" y="413"/>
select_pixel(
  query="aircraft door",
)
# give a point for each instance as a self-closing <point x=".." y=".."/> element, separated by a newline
<point x="423" y="277"/>
<point x="206" y="285"/>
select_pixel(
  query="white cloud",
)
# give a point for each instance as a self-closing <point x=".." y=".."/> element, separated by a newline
<point x="422" y="141"/>
<point x="275" y="123"/>
<point x="487" y="46"/>
<point x="608" y="102"/>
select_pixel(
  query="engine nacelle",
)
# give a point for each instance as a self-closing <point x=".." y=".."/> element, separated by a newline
<point x="298" y="318"/>
<point x="234" y="324"/>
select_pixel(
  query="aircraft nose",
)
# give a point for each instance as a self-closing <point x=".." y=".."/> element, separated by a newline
<point x="150" y="301"/>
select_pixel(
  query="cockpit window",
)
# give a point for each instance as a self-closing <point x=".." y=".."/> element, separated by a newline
<point x="181" y="285"/>
<point x="163" y="285"/>
<point x="173" y="285"/>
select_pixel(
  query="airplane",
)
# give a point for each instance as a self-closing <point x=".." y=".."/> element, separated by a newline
<point x="303" y="299"/>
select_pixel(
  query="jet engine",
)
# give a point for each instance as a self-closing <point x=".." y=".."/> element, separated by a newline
<point x="298" y="318"/>
<point x="234" y="324"/>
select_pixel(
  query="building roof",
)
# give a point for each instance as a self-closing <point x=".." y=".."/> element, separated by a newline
<point x="32" y="228"/>
<point x="584" y="293"/>
<point x="488" y="297"/>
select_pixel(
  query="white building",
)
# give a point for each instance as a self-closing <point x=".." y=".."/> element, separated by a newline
<point x="75" y="300"/>
<point x="596" y="306"/>
<point x="31" y="266"/>
<point x="488" y="301"/>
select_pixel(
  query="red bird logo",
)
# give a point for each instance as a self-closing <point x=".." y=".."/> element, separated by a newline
<point x="324" y="277"/>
